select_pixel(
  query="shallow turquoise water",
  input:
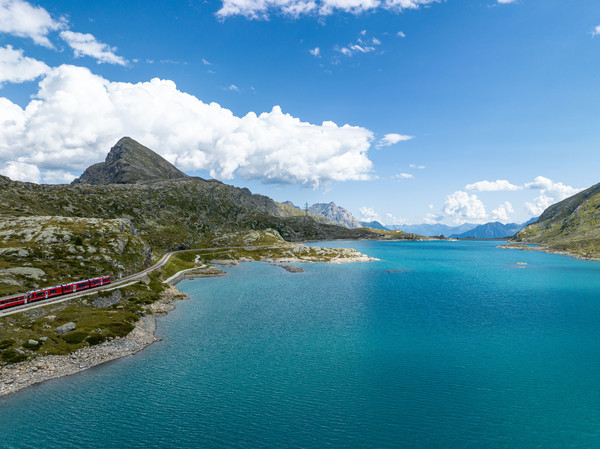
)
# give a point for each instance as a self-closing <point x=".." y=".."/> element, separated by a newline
<point x="438" y="345"/>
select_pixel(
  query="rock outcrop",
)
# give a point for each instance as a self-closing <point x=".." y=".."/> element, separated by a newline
<point x="336" y="214"/>
<point x="130" y="162"/>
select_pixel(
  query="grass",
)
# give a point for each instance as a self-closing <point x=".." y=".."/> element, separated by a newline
<point x="94" y="325"/>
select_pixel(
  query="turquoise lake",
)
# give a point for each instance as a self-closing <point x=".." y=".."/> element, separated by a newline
<point x="438" y="345"/>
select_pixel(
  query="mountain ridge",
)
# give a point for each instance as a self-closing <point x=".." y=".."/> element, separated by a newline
<point x="130" y="162"/>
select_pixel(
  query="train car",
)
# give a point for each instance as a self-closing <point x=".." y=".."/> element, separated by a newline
<point x="44" y="293"/>
<point x="10" y="302"/>
<point x="50" y="292"/>
<point x="97" y="282"/>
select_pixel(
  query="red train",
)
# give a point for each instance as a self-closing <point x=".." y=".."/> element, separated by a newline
<point x="50" y="292"/>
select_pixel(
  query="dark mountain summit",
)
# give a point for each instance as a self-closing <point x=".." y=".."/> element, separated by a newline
<point x="130" y="162"/>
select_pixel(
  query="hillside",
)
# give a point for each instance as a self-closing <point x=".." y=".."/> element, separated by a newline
<point x="75" y="224"/>
<point x="571" y="226"/>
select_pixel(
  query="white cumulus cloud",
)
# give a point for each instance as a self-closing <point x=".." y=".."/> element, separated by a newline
<point x="460" y="207"/>
<point x="404" y="176"/>
<point x="539" y="204"/>
<point x="550" y="192"/>
<point x="596" y="31"/>
<point x="17" y="68"/>
<point x="85" y="44"/>
<point x="19" y="171"/>
<point x="506" y="2"/>
<point x="368" y="214"/>
<point x="76" y="116"/>
<point x="502" y="212"/>
<point x="316" y="52"/>
<point x="22" y="19"/>
<point x="393" y="138"/>
<point x="260" y="9"/>
<point x="492" y="186"/>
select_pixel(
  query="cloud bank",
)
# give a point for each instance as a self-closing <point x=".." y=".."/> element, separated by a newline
<point x="260" y="9"/>
<point x="76" y="116"/>
<point x="492" y="186"/>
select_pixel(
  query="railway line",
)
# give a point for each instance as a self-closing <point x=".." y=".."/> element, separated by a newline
<point x="120" y="283"/>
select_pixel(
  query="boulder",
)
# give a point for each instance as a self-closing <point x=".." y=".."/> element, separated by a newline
<point x="33" y="342"/>
<point x="67" y="327"/>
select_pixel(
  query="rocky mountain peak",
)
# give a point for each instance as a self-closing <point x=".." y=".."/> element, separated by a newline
<point x="130" y="162"/>
<point x="336" y="214"/>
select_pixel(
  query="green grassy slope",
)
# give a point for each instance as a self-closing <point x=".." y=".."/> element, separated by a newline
<point x="572" y="225"/>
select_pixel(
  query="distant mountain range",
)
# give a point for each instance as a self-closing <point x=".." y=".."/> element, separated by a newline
<point x="333" y="213"/>
<point x="433" y="230"/>
<point x="374" y="225"/>
<point x="493" y="230"/>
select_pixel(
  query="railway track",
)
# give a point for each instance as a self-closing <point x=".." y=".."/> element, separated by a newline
<point x="112" y="286"/>
<point x="118" y="283"/>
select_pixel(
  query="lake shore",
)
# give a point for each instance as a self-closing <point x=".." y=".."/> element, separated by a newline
<point x="18" y="376"/>
<point x="522" y="247"/>
<point x="21" y="375"/>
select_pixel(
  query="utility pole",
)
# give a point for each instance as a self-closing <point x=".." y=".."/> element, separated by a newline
<point x="89" y="273"/>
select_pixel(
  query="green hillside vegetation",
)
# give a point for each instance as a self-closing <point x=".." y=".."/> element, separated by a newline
<point x="98" y="318"/>
<point x="39" y="251"/>
<point x="571" y="226"/>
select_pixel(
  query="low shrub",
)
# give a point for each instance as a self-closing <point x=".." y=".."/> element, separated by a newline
<point x="74" y="337"/>
<point x="95" y="339"/>
<point x="120" y="329"/>
<point x="5" y="344"/>
<point x="12" y="356"/>
<point x="32" y="347"/>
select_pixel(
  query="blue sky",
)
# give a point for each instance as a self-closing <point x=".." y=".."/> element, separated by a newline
<point x="490" y="108"/>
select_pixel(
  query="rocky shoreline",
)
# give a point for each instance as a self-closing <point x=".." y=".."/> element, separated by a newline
<point x="21" y="375"/>
<point x="543" y="249"/>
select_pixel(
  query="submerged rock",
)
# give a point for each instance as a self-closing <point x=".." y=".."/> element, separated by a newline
<point x="289" y="268"/>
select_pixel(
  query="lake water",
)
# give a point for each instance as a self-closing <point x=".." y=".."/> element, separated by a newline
<point x="438" y="345"/>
